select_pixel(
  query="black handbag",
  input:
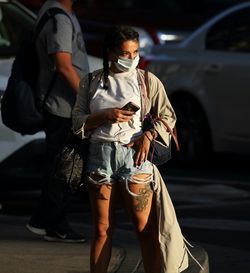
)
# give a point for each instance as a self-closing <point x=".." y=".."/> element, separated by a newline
<point x="70" y="162"/>
<point x="159" y="153"/>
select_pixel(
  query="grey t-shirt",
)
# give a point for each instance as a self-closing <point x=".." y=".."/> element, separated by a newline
<point x="64" y="39"/>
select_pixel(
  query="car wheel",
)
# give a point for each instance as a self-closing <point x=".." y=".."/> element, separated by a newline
<point x="192" y="129"/>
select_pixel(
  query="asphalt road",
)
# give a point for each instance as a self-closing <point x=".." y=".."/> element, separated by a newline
<point x="211" y="200"/>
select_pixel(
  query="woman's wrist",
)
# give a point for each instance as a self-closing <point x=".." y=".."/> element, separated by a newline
<point x="153" y="134"/>
<point x="149" y="135"/>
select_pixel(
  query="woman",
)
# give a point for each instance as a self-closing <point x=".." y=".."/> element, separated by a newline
<point x="118" y="151"/>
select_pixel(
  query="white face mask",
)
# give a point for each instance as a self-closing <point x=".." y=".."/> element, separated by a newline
<point x="125" y="65"/>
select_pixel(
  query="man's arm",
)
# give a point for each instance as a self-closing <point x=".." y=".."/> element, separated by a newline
<point x="64" y="66"/>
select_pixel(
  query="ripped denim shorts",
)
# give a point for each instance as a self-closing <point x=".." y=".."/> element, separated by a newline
<point x="115" y="163"/>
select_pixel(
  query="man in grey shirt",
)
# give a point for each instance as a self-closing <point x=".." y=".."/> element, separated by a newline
<point x="63" y="62"/>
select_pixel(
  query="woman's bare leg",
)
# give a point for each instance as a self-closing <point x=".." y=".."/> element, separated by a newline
<point x="144" y="217"/>
<point x="102" y="204"/>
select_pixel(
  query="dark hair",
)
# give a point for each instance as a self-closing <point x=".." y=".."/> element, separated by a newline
<point x="112" y="42"/>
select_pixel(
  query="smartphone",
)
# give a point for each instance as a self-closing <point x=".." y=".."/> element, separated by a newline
<point x="130" y="106"/>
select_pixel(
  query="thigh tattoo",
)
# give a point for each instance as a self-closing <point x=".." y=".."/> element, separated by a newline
<point x="143" y="197"/>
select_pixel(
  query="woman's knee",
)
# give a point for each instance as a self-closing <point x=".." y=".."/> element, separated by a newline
<point x="141" y="226"/>
<point x="144" y="222"/>
<point x="103" y="230"/>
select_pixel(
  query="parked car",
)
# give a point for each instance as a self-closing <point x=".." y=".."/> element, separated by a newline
<point x="158" y="22"/>
<point x="15" y="22"/>
<point x="20" y="154"/>
<point x="33" y="5"/>
<point x="207" y="77"/>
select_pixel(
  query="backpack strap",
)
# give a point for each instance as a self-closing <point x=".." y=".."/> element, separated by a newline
<point x="50" y="14"/>
<point x="173" y="132"/>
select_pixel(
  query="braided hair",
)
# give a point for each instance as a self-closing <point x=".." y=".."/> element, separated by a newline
<point x="112" y="42"/>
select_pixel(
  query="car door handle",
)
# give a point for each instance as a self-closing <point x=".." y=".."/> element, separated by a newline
<point x="213" y="68"/>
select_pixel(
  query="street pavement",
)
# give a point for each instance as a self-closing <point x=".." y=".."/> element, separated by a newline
<point x="24" y="252"/>
<point x="212" y="217"/>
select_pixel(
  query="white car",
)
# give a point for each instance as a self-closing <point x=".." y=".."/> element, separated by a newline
<point x="14" y="20"/>
<point x="207" y="77"/>
<point x="18" y="154"/>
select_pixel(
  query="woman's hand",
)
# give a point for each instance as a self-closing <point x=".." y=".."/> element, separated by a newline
<point x="141" y="146"/>
<point x="116" y="115"/>
<point x="113" y="115"/>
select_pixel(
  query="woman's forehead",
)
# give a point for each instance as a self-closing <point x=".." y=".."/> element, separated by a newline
<point x="130" y="45"/>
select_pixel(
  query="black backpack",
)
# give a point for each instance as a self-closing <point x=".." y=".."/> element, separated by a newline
<point x="18" y="105"/>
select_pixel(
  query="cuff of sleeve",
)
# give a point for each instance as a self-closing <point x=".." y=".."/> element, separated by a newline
<point x="81" y="133"/>
<point x="153" y="132"/>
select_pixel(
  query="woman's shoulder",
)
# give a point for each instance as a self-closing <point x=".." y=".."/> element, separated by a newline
<point x="151" y="76"/>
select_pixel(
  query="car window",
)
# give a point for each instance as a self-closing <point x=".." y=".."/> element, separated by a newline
<point x="15" y="24"/>
<point x="232" y="33"/>
<point x="239" y="39"/>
